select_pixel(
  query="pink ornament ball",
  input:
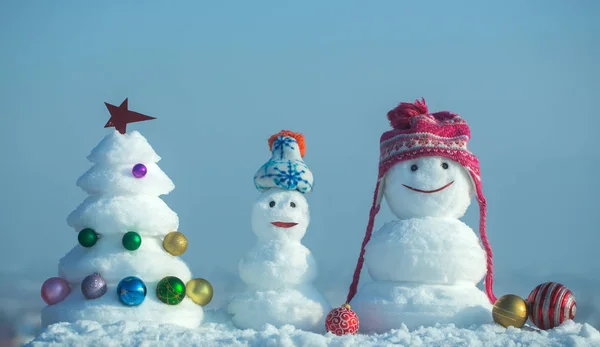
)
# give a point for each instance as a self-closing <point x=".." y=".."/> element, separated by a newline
<point x="55" y="290"/>
<point x="550" y="304"/>
<point x="342" y="321"/>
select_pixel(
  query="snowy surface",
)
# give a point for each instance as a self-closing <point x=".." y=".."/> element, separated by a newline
<point x="218" y="331"/>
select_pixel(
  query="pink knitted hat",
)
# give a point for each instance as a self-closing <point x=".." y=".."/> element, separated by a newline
<point x="418" y="133"/>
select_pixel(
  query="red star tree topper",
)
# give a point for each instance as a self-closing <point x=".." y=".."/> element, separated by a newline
<point x="121" y="116"/>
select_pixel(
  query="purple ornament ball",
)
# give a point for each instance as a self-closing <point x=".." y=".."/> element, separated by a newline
<point x="93" y="286"/>
<point x="139" y="170"/>
<point x="55" y="290"/>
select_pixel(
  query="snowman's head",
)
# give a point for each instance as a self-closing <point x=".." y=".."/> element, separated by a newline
<point x="430" y="186"/>
<point x="280" y="214"/>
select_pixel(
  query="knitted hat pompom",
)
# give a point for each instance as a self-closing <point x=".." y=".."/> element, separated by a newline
<point x="401" y="115"/>
<point x="287" y="133"/>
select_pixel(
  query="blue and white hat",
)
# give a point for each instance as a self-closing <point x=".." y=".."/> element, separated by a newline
<point x="285" y="169"/>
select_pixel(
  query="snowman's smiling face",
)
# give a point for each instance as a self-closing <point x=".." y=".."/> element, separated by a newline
<point x="280" y="215"/>
<point x="428" y="187"/>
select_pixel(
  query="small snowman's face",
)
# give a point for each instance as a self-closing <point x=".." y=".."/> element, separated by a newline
<point x="280" y="215"/>
<point x="428" y="187"/>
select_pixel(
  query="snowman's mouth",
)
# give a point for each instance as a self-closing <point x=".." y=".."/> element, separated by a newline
<point x="429" y="191"/>
<point x="284" y="224"/>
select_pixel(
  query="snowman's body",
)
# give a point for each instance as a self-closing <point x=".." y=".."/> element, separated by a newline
<point x="279" y="270"/>
<point x="426" y="265"/>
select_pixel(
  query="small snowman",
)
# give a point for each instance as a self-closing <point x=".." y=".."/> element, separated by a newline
<point x="426" y="264"/>
<point x="279" y="270"/>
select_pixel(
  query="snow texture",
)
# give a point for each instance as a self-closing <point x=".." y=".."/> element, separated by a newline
<point x="427" y="264"/>
<point x="451" y="202"/>
<point x="218" y="331"/>
<point x="120" y="203"/>
<point x="426" y="250"/>
<point x="120" y="214"/>
<point x="150" y="262"/>
<point x="117" y="179"/>
<point x="279" y="270"/>
<point x="115" y="149"/>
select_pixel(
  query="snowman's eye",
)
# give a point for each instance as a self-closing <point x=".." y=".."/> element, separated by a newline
<point x="293" y="204"/>
<point x="445" y="166"/>
<point x="272" y="204"/>
<point x="414" y="167"/>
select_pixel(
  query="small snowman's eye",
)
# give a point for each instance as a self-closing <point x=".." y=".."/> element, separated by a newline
<point x="293" y="204"/>
<point x="445" y="166"/>
<point x="414" y="167"/>
<point x="272" y="204"/>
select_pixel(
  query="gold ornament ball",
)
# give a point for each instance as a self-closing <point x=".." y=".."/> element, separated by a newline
<point x="510" y="310"/>
<point x="199" y="290"/>
<point x="175" y="243"/>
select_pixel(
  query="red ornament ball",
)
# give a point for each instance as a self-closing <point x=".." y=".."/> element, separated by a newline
<point x="342" y="320"/>
<point x="550" y="304"/>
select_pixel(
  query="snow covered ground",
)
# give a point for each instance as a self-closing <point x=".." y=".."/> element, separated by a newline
<point x="218" y="331"/>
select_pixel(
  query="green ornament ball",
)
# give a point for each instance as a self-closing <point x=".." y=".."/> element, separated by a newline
<point x="170" y="290"/>
<point x="87" y="237"/>
<point x="132" y="240"/>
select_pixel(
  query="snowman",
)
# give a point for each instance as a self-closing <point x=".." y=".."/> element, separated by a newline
<point x="426" y="264"/>
<point x="279" y="270"/>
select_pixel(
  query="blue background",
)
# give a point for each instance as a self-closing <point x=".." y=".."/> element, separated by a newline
<point x="221" y="77"/>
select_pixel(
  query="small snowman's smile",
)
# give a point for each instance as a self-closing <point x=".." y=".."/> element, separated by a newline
<point x="429" y="191"/>
<point x="284" y="224"/>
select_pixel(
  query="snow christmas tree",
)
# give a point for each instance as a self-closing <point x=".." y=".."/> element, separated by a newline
<point x="125" y="266"/>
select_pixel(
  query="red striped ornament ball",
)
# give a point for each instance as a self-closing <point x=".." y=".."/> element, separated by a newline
<point x="550" y="304"/>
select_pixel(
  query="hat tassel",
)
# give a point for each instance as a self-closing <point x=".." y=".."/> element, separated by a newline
<point x="361" y="258"/>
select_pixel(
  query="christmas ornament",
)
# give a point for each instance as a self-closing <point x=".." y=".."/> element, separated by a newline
<point x="550" y="304"/>
<point x="132" y="240"/>
<point x="93" y="286"/>
<point x="342" y="320"/>
<point x="131" y="291"/>
<point x="510" y="310"/>
<point x="175" y="243"/>
<point x="121" y="116"/>
<point x="55" y="290"/>
<point x="87" y="237"/>
<point x="170" y="290"/>
<point x="199" y="290"/>
<point x="139" y="170"/>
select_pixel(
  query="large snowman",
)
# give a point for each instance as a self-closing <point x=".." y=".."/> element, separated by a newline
<point x="426" y="264"/>
<point x="279" y="270"/>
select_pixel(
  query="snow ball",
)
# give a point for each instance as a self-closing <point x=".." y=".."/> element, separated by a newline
<point x="303" y="308"/>
<point x="280" y="214"/>
<point x="426" y="250"/>
<point x="428" y="174"/>
<point x="274" y="265"/>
